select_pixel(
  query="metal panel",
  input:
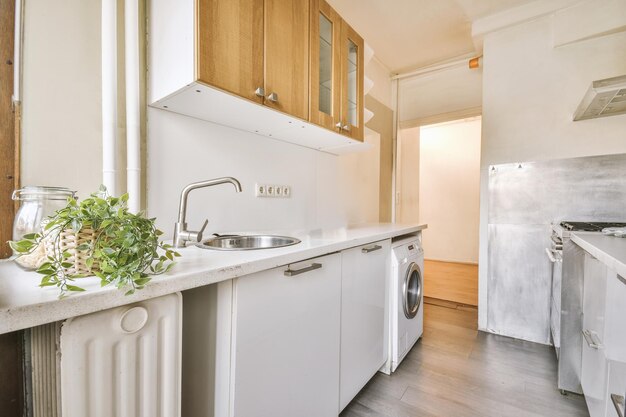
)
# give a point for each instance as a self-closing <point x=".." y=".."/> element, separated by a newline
<point x="524" y="199"/>
<point x="123" y="362"/>
<point x="519" y="289"/>
<point x="583" y="189"/>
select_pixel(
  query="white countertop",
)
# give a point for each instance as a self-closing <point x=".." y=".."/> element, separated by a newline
<point x="609" y="250"/>
<point x="24" y="304"/>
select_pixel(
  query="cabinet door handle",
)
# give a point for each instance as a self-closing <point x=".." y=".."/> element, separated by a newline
<point x="260" y="92"/>
<point x="338" y="125"/>
<point x="293" y="272"/>
<point x="591" y="339"/>
<point x="346" y="128"/>
<point x="273" y="97"/>
<point x="371" y="249"/>
<point x="618" y="403"/>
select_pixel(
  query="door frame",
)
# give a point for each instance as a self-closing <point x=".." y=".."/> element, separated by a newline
<point x="12" y="398"/>
<point x="10" y="116"/>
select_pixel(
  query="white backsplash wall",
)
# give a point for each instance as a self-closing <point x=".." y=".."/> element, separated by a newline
<point x="182" y="150"/>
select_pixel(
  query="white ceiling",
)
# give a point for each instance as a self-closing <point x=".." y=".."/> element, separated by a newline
<point x="409" y="34"/>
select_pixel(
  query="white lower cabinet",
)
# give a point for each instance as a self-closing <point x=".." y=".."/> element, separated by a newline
<point x="603" y="376"/>
<point x="285" y="360"/>
<point x="593" y="374"/>
<point x="615" y="342"/>
<point x="615" y="333"/>
<point x="363" y="284"/>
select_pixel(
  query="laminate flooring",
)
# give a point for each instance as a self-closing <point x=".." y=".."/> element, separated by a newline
<point x="451" y="281"/>
<point x="456" y="371"/>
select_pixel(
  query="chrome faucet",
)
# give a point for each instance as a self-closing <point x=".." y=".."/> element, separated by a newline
<point x="181" y="234"/>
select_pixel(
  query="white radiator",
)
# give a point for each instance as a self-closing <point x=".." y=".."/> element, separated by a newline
<point x="123" y="362"/>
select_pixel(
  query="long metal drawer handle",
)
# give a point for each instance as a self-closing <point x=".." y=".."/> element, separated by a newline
<point x="618" y="401"/>
<point x="371" y="249"/>
<point x="589" y="338"/>
<point x="293" y="272"/>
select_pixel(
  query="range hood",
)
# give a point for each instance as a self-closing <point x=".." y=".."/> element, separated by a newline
<point x="604" y="98"/>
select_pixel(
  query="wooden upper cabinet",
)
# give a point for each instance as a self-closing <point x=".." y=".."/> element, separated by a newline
<point x="286" y="26"/>
<point x="325" y="66"/>
<point x="352" y="63"/>
<point x="230" y="45"/>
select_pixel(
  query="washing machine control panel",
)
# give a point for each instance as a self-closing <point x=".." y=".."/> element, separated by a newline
<point x="413" y="249"/>
<point x="405" y="252"/>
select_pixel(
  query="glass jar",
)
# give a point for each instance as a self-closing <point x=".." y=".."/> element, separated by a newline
<point x="36" y="205"/>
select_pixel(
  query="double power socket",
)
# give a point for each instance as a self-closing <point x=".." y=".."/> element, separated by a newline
<point x="272" y="190"/>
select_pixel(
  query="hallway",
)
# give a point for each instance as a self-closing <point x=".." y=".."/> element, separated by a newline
<point x="451" y="281"/>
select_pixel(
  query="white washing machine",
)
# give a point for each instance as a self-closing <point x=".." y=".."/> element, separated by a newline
<point x="406" y="291"/>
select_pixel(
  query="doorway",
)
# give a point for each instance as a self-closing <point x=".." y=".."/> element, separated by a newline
<point x="438" y="181"/>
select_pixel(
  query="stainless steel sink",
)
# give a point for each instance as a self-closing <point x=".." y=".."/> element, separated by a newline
<point x="247" y="242"/>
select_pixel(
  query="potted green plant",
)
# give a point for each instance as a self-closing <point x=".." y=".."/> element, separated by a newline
<point x="98" y="236"/>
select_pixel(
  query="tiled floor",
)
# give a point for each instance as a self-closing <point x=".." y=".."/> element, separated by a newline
<point x="456" y="371"/>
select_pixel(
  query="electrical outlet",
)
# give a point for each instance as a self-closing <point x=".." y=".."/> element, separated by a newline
<point x="272" y="190"/>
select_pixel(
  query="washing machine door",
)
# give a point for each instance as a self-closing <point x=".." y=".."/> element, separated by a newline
<point x="412" y="291"/>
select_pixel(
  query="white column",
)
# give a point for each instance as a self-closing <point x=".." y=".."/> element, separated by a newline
<point x="109" y="94"/>
<point x="133" y="126"/>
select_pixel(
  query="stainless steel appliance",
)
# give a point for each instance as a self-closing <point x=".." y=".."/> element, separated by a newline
<point x="566" y="301"/>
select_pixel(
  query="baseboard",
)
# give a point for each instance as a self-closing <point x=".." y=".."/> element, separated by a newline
<point x="451" y="262"/>
<point x="449" y="304"/>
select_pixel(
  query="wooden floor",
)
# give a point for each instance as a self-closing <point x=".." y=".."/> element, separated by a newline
<point x="456" y="371"/>
<point x="451" y="281"/>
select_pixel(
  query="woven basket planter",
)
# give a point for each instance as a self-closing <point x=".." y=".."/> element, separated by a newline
<point x="68" y="241"/>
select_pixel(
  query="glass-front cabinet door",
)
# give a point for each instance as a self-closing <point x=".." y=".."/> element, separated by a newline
<point x="351" y="83"/>
<point x="325" y="72"/>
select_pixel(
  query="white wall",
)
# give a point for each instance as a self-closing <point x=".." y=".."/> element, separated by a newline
<point x="449" y="190"/>
<point x="327" y="190"/>
<point x="530" y="91"/>
<point x="442" y="92"/>
<point x="379" y="74"/>
<point x="408" y="176"/>
<point x="182" y="150"/>
<point x="359" y="174"/>
<point x="61" y="125"/>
